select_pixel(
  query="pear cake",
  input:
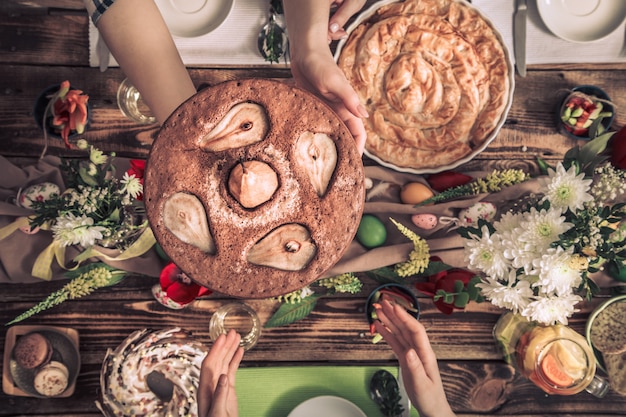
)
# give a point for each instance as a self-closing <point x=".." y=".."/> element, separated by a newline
<point x="254" y="188"/>
<point x="435" y="78"/>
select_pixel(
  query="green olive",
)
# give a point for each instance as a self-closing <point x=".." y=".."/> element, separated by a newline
<point x="371" y="232"/>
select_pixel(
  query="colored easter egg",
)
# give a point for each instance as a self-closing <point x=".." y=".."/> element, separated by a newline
<point x="371" y="232"/>
<point x="481" y="210"/>
<point x="38" y="192"/>
<point x="415" y="193"/>
<point x="424" y="221"/>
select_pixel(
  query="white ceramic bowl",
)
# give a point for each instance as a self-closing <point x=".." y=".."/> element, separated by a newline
<point x="193" y="18"/>
<point x="582" y="21"/>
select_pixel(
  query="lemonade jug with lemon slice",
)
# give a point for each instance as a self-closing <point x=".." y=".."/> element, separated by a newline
<point x="555" y="358"/>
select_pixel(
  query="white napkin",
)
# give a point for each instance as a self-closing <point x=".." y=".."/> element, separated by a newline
<point x="543" y="47"/>
<point x="233" y="43"/>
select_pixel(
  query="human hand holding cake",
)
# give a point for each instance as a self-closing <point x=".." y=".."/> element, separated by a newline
<point x="313" y="66"/>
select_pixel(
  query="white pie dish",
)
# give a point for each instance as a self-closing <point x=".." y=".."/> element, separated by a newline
<point x="510" y="76"/>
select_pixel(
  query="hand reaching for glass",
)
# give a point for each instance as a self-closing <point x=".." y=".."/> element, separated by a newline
<point x="216" y="392"/>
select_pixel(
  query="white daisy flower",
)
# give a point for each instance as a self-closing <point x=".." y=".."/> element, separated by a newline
<point x="132" y="185"/>
<point x="565" y="189"/>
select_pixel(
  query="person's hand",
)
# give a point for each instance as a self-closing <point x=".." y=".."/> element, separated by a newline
<point x="318" y="73"/>
<point x="420" y="373"/>
<point x="216" y="392"/>
<point x="312" y="63"/>
<point x="345" y="10"/>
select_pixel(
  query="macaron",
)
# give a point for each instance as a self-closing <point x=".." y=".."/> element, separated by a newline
<point x="52" y="379"/>
<point x="32" y="350"/>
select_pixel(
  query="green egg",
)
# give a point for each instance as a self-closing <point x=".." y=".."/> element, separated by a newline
<point x="371" y="232"/>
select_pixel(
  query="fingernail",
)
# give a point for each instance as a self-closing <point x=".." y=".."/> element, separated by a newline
<point x="334" y="27"/>
<point x="363" y="111"/>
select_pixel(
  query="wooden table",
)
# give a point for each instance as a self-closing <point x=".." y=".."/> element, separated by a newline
<point x="43" y="42"/>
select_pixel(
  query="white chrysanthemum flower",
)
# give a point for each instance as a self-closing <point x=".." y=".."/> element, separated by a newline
<point x="485" y="254"/>
<point x="514" y="297"/>
<point x="509" y="222"/>
<point x="97" y="156"/>
<point x="132" y="185"/>
<point x="565" y="189"/>
<point x="552" y="310"/>
<point x="73" y="230"/>
<point x="542" y="228"/>
<point x="557" y="272"/>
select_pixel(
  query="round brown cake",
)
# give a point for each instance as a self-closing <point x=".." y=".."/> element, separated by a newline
<point x="254" y="188"/>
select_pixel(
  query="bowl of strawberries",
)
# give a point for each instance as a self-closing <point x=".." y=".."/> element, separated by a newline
<point x="586" y="112"/>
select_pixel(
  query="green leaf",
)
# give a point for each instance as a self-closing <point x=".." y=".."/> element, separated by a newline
<point x="461" y="300"/>
<point x="543" y="166"/>
<point x="384" y="275"/>
<point x="448" y="298"/>
<point x="458" y="286"/>
<point x="434" y="267"/>
<point x="290" y="313"/>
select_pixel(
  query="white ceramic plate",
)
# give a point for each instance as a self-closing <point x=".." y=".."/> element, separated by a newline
<point x="582" y="20"/>
<point x="365" y="15"/>
<point x="327" y="406"/>
<point x="192" y="18"/>
<point x="591" y="319"/>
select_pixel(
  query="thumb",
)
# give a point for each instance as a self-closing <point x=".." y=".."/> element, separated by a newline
<point x="220" y="398"/>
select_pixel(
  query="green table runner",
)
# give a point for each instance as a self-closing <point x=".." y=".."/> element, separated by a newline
<point x="275" y="391"/>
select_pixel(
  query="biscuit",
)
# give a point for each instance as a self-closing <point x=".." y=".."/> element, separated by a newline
<point x="32" y="350"/>
<point x="52" y="379"/>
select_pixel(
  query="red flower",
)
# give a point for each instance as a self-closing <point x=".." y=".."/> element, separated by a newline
<point x="69" y="111"/>
<point x="444" y="280"/>
<point x="441" y="181"/>
<point x="138" y="169"/>
<point x="179" y="286"/>
<point x="618" y="149"/>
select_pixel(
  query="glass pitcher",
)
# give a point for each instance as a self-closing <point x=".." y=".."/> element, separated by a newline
<point x="555" y="358"/>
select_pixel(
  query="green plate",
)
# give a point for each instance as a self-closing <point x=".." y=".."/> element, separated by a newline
<point x="590" y="320"/>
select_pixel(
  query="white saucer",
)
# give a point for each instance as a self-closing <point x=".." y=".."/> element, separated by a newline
<point x="327" y="406"/>
<point x="192" y="18"/>
<point x="582" y="20"/>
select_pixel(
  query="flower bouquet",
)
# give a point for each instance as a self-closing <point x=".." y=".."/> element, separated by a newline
<point x="99" y="216"/>
<point x="537" y="260"/>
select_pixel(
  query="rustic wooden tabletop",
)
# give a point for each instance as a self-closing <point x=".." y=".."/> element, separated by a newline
<point x="45" y="41"/>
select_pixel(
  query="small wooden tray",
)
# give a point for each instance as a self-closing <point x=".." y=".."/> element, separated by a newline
<point x="10" y="387"/>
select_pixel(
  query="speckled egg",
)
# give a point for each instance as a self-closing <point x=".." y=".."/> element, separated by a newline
<point x="424" y="221"/>
<point x="415" y="193"/>
<point x="481" y="210"/>
<point x="28" y="230"/>
<point x="38" y="192"/>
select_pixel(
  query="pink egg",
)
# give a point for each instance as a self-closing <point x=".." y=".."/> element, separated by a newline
<point x="424" y="221"/>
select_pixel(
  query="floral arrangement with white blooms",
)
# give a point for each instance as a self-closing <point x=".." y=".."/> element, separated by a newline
<point x="536" y="260"/>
